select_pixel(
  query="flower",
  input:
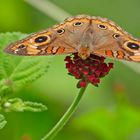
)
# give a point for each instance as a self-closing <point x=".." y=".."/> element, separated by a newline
<point x="89" y="70"/>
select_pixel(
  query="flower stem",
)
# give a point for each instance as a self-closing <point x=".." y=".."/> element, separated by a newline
<point x="60" y="124"/>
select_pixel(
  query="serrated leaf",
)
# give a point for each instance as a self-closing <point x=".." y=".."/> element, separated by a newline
<point x="2" y="121"/>
<point x="29" y="69"/>
<point x="17" y="104"/>
<point x="6" y="63"/>
<point x="16" y="71"/>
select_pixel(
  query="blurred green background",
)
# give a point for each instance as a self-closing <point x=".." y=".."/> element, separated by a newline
<point x="109" y="112"/>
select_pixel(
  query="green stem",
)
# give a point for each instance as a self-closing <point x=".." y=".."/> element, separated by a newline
<point x="60" y="124"/>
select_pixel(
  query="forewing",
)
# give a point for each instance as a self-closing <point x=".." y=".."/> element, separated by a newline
<point x="110" y="40"/>
<point x="60" y="39"/>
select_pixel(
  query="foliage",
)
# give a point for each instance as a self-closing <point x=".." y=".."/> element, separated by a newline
<point x="17" y="104"/>
<point x="111" y="124"/>
<point x="15" y="73"/>
<point x="2" y="121"/>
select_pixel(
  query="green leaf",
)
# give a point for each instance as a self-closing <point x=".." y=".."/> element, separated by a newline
<point x="109" y="124"/>
<point x="17" y="104"/>
<point x="16" y="71"/>
<point x="2" y="121"/>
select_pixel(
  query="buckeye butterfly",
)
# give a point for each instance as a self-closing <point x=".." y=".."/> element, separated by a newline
<point x="81" y="34"/>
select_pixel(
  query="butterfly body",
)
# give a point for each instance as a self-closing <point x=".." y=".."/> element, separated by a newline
<point x="81" y="34"/>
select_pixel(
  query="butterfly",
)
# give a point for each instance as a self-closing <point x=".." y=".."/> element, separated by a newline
<point x="80" y="34"/>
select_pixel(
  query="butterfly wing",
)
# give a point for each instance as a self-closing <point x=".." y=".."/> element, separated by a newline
<point x="42" y="43"/>
<point x="60" y="39"/>
<point x="111" y="41"/>
<point x="82" y="34"/>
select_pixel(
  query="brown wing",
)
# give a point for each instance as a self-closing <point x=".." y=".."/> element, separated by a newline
<point x="60" y="39"/>
<point x="111" y="41"/>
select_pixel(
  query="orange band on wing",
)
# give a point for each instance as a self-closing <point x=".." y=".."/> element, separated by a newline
<point x="60" y="50"/>
<point x="109" y="53"/>
<point x="69" y="50"/>
<point x="49" y="50"/>
<point x="120" y="54"/>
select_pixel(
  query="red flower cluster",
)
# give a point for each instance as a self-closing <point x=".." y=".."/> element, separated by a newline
<point x="89" y="70"/>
